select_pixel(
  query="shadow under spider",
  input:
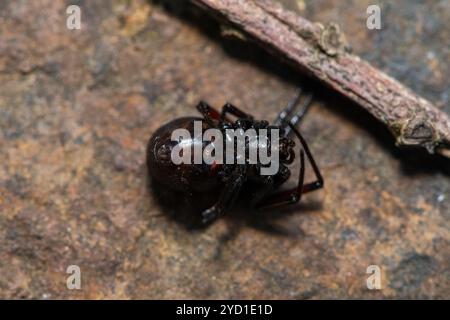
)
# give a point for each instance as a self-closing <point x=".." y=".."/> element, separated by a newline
<point x="186" y="211"/>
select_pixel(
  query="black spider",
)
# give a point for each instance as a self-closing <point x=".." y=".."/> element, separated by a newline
<point x="223" y="182"/>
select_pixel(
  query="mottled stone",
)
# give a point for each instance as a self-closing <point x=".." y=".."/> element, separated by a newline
<point x="77" y="108"/>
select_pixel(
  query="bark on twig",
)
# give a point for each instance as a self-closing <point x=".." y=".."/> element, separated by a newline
<point x="322" y="52"/>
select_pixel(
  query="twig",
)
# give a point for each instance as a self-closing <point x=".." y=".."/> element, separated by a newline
<point x="322" y="52"/>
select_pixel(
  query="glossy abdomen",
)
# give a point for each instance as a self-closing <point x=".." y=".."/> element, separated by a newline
<point x="189" y="178"/>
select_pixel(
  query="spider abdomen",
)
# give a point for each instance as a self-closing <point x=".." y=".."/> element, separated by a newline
<point x="186" y="177"/>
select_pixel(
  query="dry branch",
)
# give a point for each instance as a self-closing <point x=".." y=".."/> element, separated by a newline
<point x="322" y="52"/>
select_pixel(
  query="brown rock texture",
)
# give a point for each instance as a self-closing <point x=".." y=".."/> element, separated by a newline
<point x="77" y="108"/>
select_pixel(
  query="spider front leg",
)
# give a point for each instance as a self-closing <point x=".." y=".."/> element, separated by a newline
<point x="283" y="120"/>
<point x="295" y="120"/>
<point x="269" y="183"/>
<point x="211" y="115"/>
<point x="235" y="111"/>
<point x="318" y="184"/>
<point x="289" y="196"/>
<point x="227" y="196"/>
<point x="286" y="112"/>
<point x="294" y="195"/>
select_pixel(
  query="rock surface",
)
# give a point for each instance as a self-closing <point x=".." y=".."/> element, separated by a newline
<point x="78" y="106"/>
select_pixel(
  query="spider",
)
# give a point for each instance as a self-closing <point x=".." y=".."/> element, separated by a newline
<point x="224" y="182"/>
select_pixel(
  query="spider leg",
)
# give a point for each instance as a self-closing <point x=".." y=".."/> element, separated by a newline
<point x="286" y="112"/>
<point x="228" y="108"/>
<point x="269" y="183"/>
<point x="302" y="111"/>
<point x="211" y="115"/>
<point x="294" y="195"/>
<point x="295" y="120"/>
<point x="312" y="186"/>
<point x="290" y="196"/>
<point x="227" y="197"/>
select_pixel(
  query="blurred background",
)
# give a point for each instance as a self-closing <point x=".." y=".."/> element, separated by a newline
<point x="77" y="108"/>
